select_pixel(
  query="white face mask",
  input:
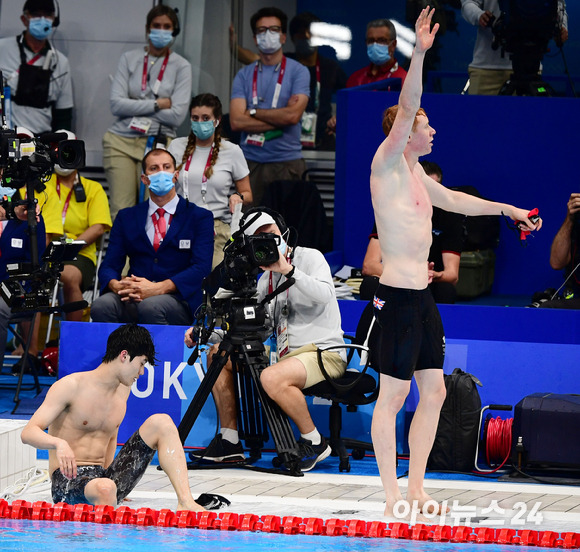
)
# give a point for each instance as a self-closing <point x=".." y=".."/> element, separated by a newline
<point x="63" y="172"/>
<point x="282" y="246"/>
<point x="268" y="42"/>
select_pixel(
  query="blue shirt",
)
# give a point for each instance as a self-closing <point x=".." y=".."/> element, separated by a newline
<point x="296" y="81"/>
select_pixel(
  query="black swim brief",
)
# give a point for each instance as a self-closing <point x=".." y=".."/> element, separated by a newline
<point x="125" y="470"/>
<point x="411" y="336"/>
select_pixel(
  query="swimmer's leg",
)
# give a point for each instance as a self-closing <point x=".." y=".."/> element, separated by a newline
<point x="159" y="433"/>
<point x="101" y="491"/>
<point x="392" y="395"/>
<point x="422" y="433"/>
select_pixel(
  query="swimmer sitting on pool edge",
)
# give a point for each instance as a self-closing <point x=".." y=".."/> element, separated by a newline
<point x="83" y="412"/>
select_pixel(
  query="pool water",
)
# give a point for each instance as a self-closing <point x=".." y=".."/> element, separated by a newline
<point x="26" y="535"/>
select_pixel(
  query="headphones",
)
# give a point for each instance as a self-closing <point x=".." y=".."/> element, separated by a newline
<point x="177" y="28"/>
<point x="280" y="223"/>
<point x="56" y="21"/>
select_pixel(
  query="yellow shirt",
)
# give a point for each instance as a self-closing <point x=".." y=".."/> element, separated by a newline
<point x="49" y="208"/>
<point x="80" y="216"/>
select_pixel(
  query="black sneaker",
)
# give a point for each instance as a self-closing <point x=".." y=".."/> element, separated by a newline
<point x="219" y="450"/>
<point x="312" y="454"/>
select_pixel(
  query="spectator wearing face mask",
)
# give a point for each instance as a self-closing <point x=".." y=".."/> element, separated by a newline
<point x="169" y="244"/>
<point x="268" y="100"/>
<point x="213" y="172"/>
<point x="84" y="211"/>
<point x="149" y="98"/>
<point x="381" y="40"/>
<point x="38" y="75"/>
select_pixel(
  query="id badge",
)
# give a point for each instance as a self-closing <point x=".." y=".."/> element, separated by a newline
<point x="271" y="352"/>
<point x="140" y="124"/>
<point x="282" y="336"/>
<point x="308" y="130"/>
<point x="257" y="139"/>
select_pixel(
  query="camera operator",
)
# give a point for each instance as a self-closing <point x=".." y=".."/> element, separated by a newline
<point x="304" y="318"/>
<point x="488" y="70"/>
<point x="38" y="75"/>
<point x="564" y="255"/>
<point x="15" y="248"/>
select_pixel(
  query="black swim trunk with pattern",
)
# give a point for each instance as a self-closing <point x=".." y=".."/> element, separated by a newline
<point x="411" y="336"/>
<point x="125" y="470"/>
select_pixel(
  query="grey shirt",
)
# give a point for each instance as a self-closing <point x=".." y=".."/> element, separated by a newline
<point x="128" y="100"/>
<point x="60" y="94"/>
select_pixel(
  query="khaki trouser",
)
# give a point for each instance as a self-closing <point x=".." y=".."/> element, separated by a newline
<point x="222" y="233"/>
<point x="487" y="82"/>
<point x="262" y="174"/>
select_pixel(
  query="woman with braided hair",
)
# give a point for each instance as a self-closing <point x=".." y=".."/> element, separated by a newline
<point x="213" y="172"/>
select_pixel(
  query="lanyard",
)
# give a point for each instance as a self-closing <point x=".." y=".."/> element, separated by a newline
<point x="155" y="88"/>
<point x="67" y="200"/>
<point x="317" y="93"/>
<point x="278" y="83"/>
<point x="203" y="177"/>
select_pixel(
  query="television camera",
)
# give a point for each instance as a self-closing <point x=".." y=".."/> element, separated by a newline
<point x="28" y="162"/>
<point x="232" y="311"/>
<point x="524" y="29"/>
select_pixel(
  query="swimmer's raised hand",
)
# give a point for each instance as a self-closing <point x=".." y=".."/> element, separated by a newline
<point x="66" y="460"/>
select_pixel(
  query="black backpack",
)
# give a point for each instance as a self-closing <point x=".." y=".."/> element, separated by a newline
<point x="457" y="432"/>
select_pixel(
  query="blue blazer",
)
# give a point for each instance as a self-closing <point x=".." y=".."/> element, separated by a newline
<point x="184" y="256"/>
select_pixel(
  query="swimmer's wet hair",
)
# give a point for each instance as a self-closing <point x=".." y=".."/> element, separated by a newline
<point x="132" y="338"/>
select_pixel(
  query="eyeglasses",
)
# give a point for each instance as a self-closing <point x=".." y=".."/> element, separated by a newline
<point x="384" y="41"/>
<point x="273" y="29"/>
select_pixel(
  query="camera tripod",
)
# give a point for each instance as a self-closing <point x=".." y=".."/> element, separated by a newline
<point x="256" y="410"/>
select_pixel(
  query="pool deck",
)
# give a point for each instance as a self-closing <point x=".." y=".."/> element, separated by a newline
<point x="344" y="496"/>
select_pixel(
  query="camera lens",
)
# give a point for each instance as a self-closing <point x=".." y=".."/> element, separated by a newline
<point x="71" y="154"/>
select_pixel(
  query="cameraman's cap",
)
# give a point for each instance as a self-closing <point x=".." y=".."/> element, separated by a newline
<point x="262" y="220"/>
<point x="43" y="6"/>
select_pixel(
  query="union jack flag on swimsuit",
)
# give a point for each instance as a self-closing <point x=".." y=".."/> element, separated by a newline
<point x="378" y="303"/>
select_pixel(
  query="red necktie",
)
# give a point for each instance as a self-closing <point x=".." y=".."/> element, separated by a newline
<point x="160" y="227"/>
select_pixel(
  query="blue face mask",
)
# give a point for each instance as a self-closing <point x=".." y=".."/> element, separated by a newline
<point x="40" y="27"/>
<point x="161" y="183"/>
<point x="378" y="53"/>
<point x="160" y="37"/>
<point x="203" y="129"/>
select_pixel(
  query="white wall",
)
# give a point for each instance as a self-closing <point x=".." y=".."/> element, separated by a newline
<point x="94" y="33"/>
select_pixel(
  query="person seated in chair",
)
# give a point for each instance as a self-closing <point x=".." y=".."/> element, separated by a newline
<point x="85" y="216"/>
<point x="304" y="318"/>
<point x="169" y="243"/>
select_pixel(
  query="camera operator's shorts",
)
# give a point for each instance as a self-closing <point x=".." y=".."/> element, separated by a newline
<point x="125" y="470"/>
<point x="307" y="354"/>
<point x="87" y="268"/>
<point x="411" y="336"/>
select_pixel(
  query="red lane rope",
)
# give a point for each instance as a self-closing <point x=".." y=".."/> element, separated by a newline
<point x="288" y="525"/>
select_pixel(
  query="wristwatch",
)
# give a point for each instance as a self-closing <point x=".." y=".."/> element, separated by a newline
<point x="253" y="112"/>
<point x="157" y="108"/>
<point x="239" y="194"/>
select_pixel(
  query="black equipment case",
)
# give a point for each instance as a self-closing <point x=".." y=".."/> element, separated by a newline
<point x="546" y="432"/>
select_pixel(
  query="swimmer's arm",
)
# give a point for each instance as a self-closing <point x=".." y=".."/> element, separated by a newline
<point x="410" y="98"/>
<point x="465" y="204"/>
<point x="111" y="449"/>
<point x="58" y="398"/>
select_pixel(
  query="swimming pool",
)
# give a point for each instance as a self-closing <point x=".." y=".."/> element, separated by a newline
<point x="27" y="535"/>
